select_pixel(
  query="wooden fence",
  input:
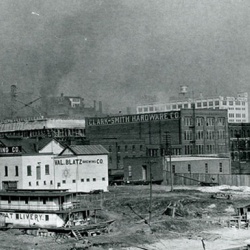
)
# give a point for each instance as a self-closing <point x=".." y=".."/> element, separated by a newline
<point x="221" y="179"/>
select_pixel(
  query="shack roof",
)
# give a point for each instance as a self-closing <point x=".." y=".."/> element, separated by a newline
<point x="85" y="150"/>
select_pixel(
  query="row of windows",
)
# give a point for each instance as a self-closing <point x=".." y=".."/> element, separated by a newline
<point x="64" y="181"/>
<point x="38" y="171"/>
<point x="241" y="133"/>
<point x="6" y="171"/>
<point x="237" y="115"/>
<point x="210" y="135"/>
<point x="210" y="149"/>
<point x="126" y="148"/>
<point x="44" y="183"/>
<point x="206" y="168"/>
<point x="200" y="121"/>
<point x="177" y="106"/>
<point x="82" y="180"/>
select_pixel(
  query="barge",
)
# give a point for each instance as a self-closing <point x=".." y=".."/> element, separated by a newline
<point x="53" y="210"/>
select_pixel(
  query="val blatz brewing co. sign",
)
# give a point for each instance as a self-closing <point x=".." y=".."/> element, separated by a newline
<point x="10" y="150"/>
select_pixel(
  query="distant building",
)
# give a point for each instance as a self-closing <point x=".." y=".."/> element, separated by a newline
<point x="141" y="168"/>
<point x="64" y="130"/>
<point x="237" y="107"/>
<point x="69" y="107"/>
<point x="240" y="147"/>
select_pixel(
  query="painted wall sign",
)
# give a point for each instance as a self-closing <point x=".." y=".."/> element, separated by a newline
<point x="65" y="161"/>
<point x="133" y="118"/>
<point x="25" y="216"/>
<point x="10" y="150"/>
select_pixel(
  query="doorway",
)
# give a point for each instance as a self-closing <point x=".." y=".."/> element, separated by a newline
<point x="144" y="172"/>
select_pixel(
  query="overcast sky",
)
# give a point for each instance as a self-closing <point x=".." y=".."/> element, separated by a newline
<point x="118" y="51"/>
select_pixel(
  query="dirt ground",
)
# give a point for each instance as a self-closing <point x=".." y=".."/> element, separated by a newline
<point x="200" y="222"/>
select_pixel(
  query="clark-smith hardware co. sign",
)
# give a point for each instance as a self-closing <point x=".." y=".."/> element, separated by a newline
<point x="133" y="118"/>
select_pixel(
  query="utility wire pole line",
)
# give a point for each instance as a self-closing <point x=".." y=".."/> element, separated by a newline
<point x="169" y="152"/>
<point x="150" y="192"/>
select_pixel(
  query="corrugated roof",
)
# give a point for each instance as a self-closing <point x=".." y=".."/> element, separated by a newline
<point x="88" y="149"/>
<point x="41" y="124"/>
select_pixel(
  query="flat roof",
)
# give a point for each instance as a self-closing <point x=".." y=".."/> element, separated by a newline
<point x="39" y="193"/>
<point x="190" y="158"/>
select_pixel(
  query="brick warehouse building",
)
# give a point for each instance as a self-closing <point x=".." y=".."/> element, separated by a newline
<point x="240" y="147"/>
<point x="192" y="132"/>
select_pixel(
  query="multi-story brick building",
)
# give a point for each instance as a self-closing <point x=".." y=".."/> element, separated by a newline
<point x="192" y="132"/>
<point x="240" y="147"/>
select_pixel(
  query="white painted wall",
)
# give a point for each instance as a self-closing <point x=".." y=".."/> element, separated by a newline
<point x="33" y="219"/>
<point x="82" y="173"/>
<point x="53" y="147"/>
<point x="198" y="165"/>
<point x="91" y="172"/>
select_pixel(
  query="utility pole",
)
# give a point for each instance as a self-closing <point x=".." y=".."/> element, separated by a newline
<point x="238" y="148"/>
<point x="169" y="152"/>
<point x="150" y="192"/>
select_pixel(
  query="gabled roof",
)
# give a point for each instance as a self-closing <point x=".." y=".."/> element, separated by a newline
<point x="86" y="150"/>
<point x="29" y="145"/>
<point x="44" y="142"/>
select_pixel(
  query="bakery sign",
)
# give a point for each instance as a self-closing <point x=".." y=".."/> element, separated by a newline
<point x="10" y="150"/>
<point x="110" y="120"/>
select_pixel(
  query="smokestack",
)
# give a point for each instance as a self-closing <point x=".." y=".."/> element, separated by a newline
<point x="94" y="104"/>
<point x="100" y="107"/>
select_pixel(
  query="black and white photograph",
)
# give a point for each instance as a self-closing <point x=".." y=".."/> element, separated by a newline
<point x="124" y="124"/>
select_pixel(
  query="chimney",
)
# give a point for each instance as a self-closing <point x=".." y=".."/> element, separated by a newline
<point x="94" y="104"/>
<point x="100" y="107"/>
<point x="36" y="144"/>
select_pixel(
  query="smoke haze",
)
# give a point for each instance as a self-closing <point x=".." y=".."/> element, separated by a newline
<point x="118" y="51"/>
